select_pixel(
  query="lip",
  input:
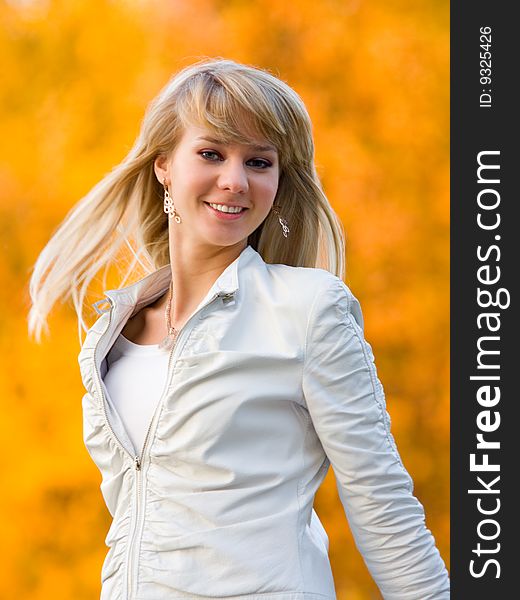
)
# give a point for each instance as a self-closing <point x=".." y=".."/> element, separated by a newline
<point x="226" y="216"/>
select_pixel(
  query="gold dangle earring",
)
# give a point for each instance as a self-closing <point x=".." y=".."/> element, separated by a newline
<point x="283" y="223"/>
<point x="169" y="207"/>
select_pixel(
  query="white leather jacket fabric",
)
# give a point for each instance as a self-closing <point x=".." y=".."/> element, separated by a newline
<point x="269" y="383"/>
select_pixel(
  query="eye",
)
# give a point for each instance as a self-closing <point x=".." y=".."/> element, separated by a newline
<point x="263" y="164"/>
<point x="257" y="163"/>
<point x="208" y="152"/>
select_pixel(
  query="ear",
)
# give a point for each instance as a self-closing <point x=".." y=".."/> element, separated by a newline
<point x="161" y="168"/>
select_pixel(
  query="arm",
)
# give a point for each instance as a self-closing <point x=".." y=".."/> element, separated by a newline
<point x="347" y="405"/>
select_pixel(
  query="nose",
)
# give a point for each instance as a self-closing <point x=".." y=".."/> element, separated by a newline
<point x="233" y="177"/>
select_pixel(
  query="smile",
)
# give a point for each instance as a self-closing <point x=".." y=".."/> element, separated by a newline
<point x="227" y="209"/>
<point x="226" y="213"/>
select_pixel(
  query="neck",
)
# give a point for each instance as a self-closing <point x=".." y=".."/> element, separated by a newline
<point x="194" y="270"/>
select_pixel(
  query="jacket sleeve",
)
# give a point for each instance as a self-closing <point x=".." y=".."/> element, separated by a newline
<point x="347" y="405"/>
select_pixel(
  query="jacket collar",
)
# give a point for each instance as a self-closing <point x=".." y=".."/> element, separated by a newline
<point x="153" y="285"/>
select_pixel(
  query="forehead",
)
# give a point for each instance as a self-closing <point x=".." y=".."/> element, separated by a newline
<point x="199" y="133"/>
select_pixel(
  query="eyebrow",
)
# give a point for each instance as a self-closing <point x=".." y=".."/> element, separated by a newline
<point x="257" y="147"/>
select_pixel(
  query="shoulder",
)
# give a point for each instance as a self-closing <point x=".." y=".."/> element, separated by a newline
<point x="331" y="299"/>
<point x="282" y="279"/>
<point x="316" y="291"/>
<point x="303" y="277"/>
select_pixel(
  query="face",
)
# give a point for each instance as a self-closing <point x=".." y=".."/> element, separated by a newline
<point x="206" y="177"/>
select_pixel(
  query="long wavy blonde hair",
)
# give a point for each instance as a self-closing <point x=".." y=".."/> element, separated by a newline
<point x="126" y="206"/>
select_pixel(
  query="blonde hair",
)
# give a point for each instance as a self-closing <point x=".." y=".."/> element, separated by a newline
<point x="126" y="206"/>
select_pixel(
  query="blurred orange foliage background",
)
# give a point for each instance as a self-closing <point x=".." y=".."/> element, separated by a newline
<point x="77" y="77"/>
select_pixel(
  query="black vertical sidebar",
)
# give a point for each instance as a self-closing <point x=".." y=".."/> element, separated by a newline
<point x="485" y="332"/>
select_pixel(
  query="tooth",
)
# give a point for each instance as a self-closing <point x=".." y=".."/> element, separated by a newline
<point x="226" y="209"/>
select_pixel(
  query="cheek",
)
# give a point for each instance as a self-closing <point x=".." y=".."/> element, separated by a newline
<point x="186" y="168"/>
<point x="269" y="188"/>
<point x="189" y="181"/>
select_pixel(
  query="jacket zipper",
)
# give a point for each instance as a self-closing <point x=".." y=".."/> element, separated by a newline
<point x="132" y="534"/>
<point x="137" y="523"/>
<point x="137" y="460"/>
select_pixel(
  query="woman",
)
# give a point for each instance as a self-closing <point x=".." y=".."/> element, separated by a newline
<point x="222" y="385"/>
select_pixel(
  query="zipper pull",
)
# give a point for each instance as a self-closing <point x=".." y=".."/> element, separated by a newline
<point x="137" y="463"/>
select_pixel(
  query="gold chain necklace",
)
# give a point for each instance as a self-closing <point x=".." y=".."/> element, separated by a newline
<point x="171" y="337"/>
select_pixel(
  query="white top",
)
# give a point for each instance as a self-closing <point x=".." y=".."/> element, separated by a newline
<point x="135" y="381"/>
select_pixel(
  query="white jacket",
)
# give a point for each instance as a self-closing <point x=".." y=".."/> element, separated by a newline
<point x="269" y="383"/>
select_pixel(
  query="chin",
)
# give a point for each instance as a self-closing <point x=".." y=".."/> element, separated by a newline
<point x="226" y="241"/>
